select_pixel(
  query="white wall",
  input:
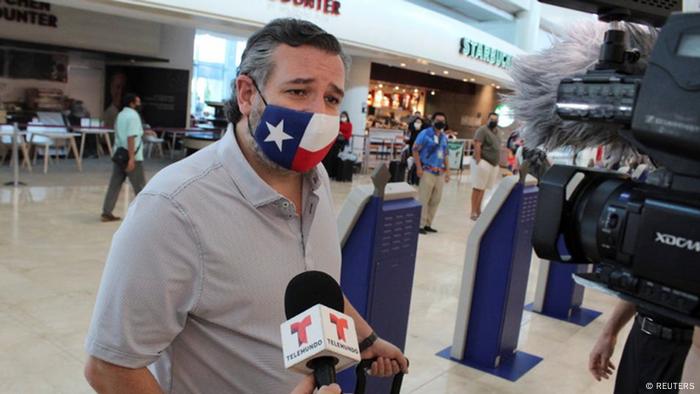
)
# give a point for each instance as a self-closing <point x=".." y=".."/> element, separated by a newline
<point x="98" y="31"/>
<point x="88" y="30"/>
<point x="356" y="91"/>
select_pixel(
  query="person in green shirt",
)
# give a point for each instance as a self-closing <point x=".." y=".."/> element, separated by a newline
<point x="128" y="131"/>
<point x="487" y="154"/>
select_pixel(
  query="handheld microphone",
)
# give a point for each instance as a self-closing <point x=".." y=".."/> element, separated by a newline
<point x="317" y="336"/>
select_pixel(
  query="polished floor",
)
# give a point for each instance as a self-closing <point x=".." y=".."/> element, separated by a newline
<point x="53" y="247"/>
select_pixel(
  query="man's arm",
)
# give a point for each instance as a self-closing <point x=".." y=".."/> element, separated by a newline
<point x="447" y="165"/>
<point x="416" y="158"/>
<point x="107" y="378"/>
<point x="691" y="369"/>
<point x="131" y="142"/>
<point x="390" y="359"/>
<point x="599" y="363"/>
<point x="477" y="151"/>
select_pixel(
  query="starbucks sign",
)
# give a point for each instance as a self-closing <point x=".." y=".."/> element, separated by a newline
<point x="485" y="53"/>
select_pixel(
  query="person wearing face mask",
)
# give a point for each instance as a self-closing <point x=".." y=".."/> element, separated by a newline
<point x="128" y="131"/>
<point x="430" y="156"/>
<point x="192" y="294"/>
<point x="345" y="126"/>
<point x="487" y="154"/>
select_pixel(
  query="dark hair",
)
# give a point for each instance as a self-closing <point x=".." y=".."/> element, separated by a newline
<point x="256" y="61"/>
<point x="492" y="113"/>
<point x="435" y="115"/>
<point x="346" y="114"/>
<point x="128" y="99"/>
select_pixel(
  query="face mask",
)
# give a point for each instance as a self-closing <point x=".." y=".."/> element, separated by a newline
<point x="343" y="119"/>
<point x="492" y="124"/>
<point x="439" y="125"/>
<point x="138" y="108"/>
<point x="295" y="140"/>
<point x="418" y="125"/>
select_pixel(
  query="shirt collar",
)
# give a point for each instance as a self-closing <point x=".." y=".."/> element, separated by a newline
<point x="253" y="188"/>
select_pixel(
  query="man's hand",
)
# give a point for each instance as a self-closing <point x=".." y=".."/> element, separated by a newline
<point x="599" y="363"/>
<point x="419" y="171"/>
<point x="308" y="385"/>
<point x="131" y="165"/>
<point x="390" y="360"/>
<point x="447" y="177"/>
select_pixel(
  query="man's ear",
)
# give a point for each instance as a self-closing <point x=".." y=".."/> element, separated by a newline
<point x="245" y="90"/>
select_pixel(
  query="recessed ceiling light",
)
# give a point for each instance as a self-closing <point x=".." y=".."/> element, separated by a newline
<point x="472" y="79"/>
<point x="445" y="72"/>
<point x="464" y="79"/>
<point x="498" y="86"/>
<point x="403" y="64"/>
<point x="432" y="93"/>
<point x="415" y="90"/>
<point x="396" y="88"/>
<point x="381" y="86"/>
<point x="432" y="73"/>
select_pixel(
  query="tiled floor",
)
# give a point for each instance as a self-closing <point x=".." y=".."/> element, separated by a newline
<point x="53" y="246"/>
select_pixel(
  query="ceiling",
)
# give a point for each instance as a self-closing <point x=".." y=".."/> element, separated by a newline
<point x="468" y="11"/>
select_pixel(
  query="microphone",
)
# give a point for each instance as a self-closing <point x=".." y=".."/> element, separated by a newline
<point x="537" y="78"/>
<point x="317" y="336"/>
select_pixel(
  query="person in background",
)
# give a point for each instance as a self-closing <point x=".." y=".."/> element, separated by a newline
<point x="345" y="126"/>
<point x="117" y="85"/>
<point x="430" y="156"/>
<point x="414" y="128"/>
<point x="128" y="131"/>
<point x="487" y="154"/>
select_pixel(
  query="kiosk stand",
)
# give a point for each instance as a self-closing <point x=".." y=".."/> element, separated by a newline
<point x="494" y="283"/>
<point x="378" y="226"/>
<point x="558" y="296"/>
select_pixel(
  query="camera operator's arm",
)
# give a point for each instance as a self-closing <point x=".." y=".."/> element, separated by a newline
<point x="691" y="369"/>
<point x="599" y="363"/>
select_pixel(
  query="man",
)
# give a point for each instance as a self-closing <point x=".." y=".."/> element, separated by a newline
<point x="128" y="132"/>
<point x="487" y="154"/>
<point x="430" y="155"/>
<point x="191" y="298"/>
<point x="117" y="85"/>
<point x="655" y="351"/>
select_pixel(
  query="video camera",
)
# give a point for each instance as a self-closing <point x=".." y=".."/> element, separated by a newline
<point x="644" y="237"/>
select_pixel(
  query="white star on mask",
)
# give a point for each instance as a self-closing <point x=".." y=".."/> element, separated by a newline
<point x="277" y="134"/>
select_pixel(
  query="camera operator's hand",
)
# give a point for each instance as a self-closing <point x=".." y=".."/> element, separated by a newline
<point x="308" y="385"/>
<point x="599" y="363"/>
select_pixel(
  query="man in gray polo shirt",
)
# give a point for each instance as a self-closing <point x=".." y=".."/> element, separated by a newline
<point x="191" y="297"/>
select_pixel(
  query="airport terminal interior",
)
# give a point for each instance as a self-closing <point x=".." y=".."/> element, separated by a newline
<point x="467" y="282"/>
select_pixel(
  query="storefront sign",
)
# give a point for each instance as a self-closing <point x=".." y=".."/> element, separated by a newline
<point x="485" y="53"/>
<point x="28" y="11"/>
<point x="330" y="7"/>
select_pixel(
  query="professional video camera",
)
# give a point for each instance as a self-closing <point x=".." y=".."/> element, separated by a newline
<point x="644" y="237"/>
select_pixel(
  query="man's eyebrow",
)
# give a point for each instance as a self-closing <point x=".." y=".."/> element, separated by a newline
<point x="337" y="90"/>
<point x="301" y="81"/>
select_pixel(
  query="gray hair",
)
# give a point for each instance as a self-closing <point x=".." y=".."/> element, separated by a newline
<point x="537" y="78"/>
<point x="256" y="61"/>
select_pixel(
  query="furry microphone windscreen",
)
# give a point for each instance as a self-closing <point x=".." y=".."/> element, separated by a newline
<point x="537" y="78"/>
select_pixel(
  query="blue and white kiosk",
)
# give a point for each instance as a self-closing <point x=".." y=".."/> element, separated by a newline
<point x="558" y="296"/>
<point x="378" y="226"/>
<point x="494" y="283"/>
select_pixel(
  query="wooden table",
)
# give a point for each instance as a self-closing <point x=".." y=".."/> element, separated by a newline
<point x="98" y="131"/>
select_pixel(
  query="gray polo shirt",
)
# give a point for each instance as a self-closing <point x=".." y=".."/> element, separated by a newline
<point x="194" y="282"/>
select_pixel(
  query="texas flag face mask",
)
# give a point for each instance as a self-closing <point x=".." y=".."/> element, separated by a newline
<point x="295" y="140"/>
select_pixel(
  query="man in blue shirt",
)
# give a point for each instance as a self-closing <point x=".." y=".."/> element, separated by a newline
<point x="430" y="154"/>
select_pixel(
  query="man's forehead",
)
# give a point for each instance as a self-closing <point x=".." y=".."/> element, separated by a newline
<point x="307" y="63"/>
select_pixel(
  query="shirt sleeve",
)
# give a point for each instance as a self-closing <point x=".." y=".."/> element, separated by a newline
<point x="480" y="135"/>
<point x="133" y="126"/>
<point x="420" y="140"/>
<point x="151" y="282"/>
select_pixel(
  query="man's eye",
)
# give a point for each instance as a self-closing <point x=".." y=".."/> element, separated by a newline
<point x="333" y="100"/>
<point x="297" y="92"/>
